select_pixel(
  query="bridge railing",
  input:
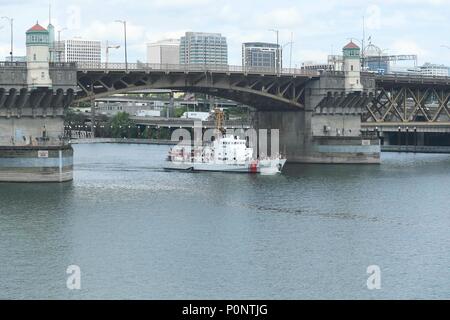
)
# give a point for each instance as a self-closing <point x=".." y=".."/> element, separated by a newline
<point x="53" y="140"/>
<point x="9" y="64"/>
<point x="63" y="65"/>
<point x="409" y="76"/>
<point x="107" y="67"/>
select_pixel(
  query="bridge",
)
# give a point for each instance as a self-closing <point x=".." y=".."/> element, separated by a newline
<point x="319" y="118"/>
<point x="263" y="88"/>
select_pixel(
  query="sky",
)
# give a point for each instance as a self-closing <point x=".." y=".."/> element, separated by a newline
<point x="319" y="27"/>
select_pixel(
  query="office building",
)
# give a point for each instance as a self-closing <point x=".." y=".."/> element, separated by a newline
<point x="164" y="52"/>
<point x="203" y="48"/>
<point x="262" y="55"/>
<point x="78" y="50"/>
<point x="434" y="70"/>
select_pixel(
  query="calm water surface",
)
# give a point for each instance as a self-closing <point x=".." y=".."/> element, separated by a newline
<point x="139" y="232"/>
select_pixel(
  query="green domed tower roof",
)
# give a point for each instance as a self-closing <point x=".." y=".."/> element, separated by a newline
<point x="37" y="36"/>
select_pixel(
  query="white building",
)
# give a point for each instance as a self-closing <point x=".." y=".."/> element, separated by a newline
<point x="203" y="48"/>
<point x="79" y="50"/>
<point x="434" y="70"/>
<point x="164" y="52"/>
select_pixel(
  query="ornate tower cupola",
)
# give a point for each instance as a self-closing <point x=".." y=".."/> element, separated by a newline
<point x="352" y="67"/>
<point x="38" y="57"/>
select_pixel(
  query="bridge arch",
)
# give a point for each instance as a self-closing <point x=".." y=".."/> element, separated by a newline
<point x="260" y="91"/>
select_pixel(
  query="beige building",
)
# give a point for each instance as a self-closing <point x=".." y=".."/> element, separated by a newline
<point x="164" y="52"/>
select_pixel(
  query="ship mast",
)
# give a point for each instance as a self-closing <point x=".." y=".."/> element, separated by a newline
<point x="219" y="120"/>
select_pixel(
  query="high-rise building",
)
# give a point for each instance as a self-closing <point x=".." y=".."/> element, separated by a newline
<point x="262" y="55"/>
<point x="203" y="48"/>
<point x="78" y="50"/>
<point x="164" y="52"/>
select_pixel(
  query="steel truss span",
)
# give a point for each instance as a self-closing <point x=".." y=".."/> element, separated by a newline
<point x="408" y="100"/>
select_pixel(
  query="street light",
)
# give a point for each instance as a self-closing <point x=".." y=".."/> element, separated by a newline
<point x="60" y="50"/>
<point x="11" y="21"/>
<point x="125" y="36"/>
<point x="107" y="52"/>
<point x="278" y="48"/>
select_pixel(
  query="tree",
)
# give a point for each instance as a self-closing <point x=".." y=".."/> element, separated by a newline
<point x="122" y="126"/>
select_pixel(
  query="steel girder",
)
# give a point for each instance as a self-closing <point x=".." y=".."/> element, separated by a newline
<point x="408" y="103"/>
<point x="259" y="91"/>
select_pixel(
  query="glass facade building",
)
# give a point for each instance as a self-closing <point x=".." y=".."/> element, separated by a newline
<point x="203" y="48"/>
<point x="261" y="55"/>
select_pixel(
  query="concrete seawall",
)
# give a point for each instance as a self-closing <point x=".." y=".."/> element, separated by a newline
<point x="36" y="164"/>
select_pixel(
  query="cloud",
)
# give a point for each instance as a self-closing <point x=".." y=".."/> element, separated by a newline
<point x="405" y="46"/>
<point x="403" y="26"/>
<point x="280" y="18"/>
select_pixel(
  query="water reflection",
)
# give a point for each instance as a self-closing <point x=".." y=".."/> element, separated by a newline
<point x="140" y="232"/>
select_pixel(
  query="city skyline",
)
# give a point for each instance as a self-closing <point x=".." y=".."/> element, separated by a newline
<point x="314" y="25"/>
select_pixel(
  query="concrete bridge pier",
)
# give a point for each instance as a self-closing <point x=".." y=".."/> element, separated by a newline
<point x="33" y="147"/>
<point x="328" y="129"/>
<point x="294" y="141"/>
<point x="299" y="144"/>
<point x="32" y="143"/>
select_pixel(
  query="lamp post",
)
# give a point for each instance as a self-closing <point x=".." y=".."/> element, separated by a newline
<point x="60" y="50"/>
<point x="11" y="22"/>
<point x="107" y="52"/>
<point x="125" y="39"/>
<point x="278" y="48"/>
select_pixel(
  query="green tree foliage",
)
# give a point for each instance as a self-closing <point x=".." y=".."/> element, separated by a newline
<point x="122" y="126"/>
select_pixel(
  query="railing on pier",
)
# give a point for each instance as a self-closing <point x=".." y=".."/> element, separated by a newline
<point x="53" y="140"/>
<point x="63" y="65"/>
<point x="9" y="64"/>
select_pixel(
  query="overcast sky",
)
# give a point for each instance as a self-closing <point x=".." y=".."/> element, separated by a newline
<point x="320" y="27"/>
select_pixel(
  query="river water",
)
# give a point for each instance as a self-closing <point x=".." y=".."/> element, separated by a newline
<point x="138" y="232"/>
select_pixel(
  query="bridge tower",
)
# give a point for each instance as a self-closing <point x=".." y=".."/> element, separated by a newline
<point x="38" y="57"/>
<point x="34" y="97"/>
<point x="352" y="68"/>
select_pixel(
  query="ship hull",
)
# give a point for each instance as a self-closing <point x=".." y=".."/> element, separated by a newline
<point x="267" y="167"/>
